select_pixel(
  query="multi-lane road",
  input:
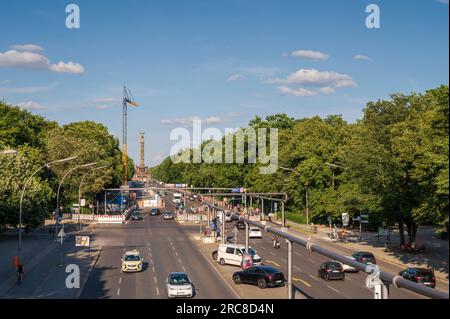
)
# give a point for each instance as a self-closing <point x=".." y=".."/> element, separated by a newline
<point x="165" y="247"/>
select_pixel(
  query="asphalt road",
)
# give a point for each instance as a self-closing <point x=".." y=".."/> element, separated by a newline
<point x="165" y="247"/>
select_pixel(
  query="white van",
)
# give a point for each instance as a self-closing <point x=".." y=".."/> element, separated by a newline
<point x="232" y="254"/>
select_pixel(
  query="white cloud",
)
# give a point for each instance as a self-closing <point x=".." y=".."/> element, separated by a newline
<point x="296" y="91"/>
<point x="235" y="77"/>
<point x="362" y="58"/>
<point x="70" y="67"/>
<point x="234" y="114"/>
<point x="326" y="90"/>
<point x="308" y="54"/>
<point x="27" y="47"/>
<point x="316" y="78"/>
<point x="106" y="103"/>
<point x="33" y="60"/>
<point x="442" y="1"/>
<point x="187" y="121"/>
<point x="30" y="105"/>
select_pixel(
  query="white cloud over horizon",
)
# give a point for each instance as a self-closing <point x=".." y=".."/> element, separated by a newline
<point x="309" y="54"/>
<point x="31" y="105"/>
<point x="27" y="47"/>
<point x="235" y="77"/>
<point x="188" y="121"/>
<point x="361" y="57"/>
<point x="26" y="59"/>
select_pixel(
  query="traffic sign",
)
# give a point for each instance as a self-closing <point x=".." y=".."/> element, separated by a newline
<point x="235" y="190"/>
<point x="275" y="206"/>
<point x="345" y="219"/>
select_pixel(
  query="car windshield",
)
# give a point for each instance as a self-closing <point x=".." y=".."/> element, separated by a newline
<point x="428" y="273"/>
<point x="168" y="213"/>
<point x="251" y="251"/>
<point x="179" y="279"/>
<point x="335" y="266"/>
<point x="131" y="258"/>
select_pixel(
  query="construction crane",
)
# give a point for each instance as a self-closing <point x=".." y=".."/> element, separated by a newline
<point x="127" y="100"/>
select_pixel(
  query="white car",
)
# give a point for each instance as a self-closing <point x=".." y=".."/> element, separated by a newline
<point x="179" y="285"/>
<point x="254" y="232"/>
<point x="232" y="254"/>
<point x="131" y="261"/>
<point x="347" y="268"/>
<point x="227" y="217"/>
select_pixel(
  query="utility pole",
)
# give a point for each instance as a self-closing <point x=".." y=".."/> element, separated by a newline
<point x="127" y="100"/>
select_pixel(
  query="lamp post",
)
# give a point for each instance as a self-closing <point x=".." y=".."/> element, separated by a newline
<point x="306" y="192"/>
<point x="23" y="192"/>
<point x="79" y="193"/>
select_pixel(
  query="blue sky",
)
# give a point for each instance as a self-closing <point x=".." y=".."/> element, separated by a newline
<point x="222" y="61"/>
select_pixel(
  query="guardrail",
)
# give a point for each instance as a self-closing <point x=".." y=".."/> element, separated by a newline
<point x="378" y="280"/>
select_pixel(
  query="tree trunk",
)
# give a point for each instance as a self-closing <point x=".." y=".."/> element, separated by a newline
<point x="412" y="231"/>
<point x="401" y="232"/>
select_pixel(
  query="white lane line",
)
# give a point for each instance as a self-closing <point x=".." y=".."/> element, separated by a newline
<point x="272" y="253"/>
<point x="179" y="260"/>
<point x="333" y="289"/>
<point x="118" y="291"/>
<point x="311" y="276"/>
<point x="283" y="260"/>
<point x="153" y="269"/>
<point x="157" y="290"/>
<point x="310" y="260"/>
<point x="262" y="247"/>
<point x="151" y="261"/>
<point x="298" y="254"/>
<point x="120" y="280"/>
<point x="150" y="255"/>
<point x="156" y="280"/>
<point x="184" y="269"/>
<point x="298" y="268"/>
<point x="348" y="278"/>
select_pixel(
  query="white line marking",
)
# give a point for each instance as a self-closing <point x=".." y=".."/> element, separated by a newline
<point x="118" y="291"/>
<point x="179" y="260"/>
<point x="184" y="269"/>
<point x="298" y="268"/>
<point x="151" y="261"/>
<point x="157" y="290"/>
<point x="153" y="269"/>
<point x="334" y="289"/>
<point x="272" y="253"/>
<point x="284" y="260"/>
<point x="120" y="280"/>
<point x="298" y="254"/>
<point x="156" y="280"/>
<point x="310" y="260"/>
<point x="316" y="279"/>
<point x="348" y="278"/>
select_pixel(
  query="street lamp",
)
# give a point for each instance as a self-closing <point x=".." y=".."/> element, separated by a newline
<point x="306" y="192"/>
<point x="334" y="166"/>
<point x="23" y="192"/>
<point x="79" y="192"/>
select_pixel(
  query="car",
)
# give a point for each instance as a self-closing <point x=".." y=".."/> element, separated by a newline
<point x="348" y="268"/>
<point x="331" y="270"/>
<point x="155" y="211"/>
<point x="254" y="232"/>
<point x="263" y="276"/>
<point x="227" y="217"/>
<point x="131" y="261"/>
<point x="179" y="285"/>
<point x="240" y="224"/>
<point x="195" y="196"/>
<point x="191" y="198"/>
<point x="365" y="258"/>
<point x="136" y="215"/>
<point x="232" y="254"/>
<point x="423" y="276"/>
<point x="235" y="216"/>
<point x="167" y="215"/>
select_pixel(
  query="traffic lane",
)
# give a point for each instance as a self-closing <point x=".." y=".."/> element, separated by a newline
<point x="306" y="265"/>
<point x="182" y="255"/>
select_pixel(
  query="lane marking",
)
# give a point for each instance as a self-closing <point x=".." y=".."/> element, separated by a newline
<point x="156" y="280"/>
<point x="284" y="260"/>
<point x="184" y="269"/>
<point x="153" y="269"/>
<point x="272" y="253"/>
<point x="310" y="260"/>
<point x="311" y="276"/>
<point x="333" y="289"/>
<point x="302" y="281"/>
<point x="298" y="268"/>
<point x="118" y="291"/>
<point x="157" y="290"/>
<point x="120" y="280"/>
<point x="298" y="254"/>
<point x="179" y="260"/>
<point x="151" y="261"/>
<point x="272" y="262"/>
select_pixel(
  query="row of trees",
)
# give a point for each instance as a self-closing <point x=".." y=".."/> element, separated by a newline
<point x="393" y="163"/>
<point x="39" y="141"/>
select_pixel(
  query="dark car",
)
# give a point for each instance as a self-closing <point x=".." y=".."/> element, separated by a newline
<point x="365" y="258"/>
<point x="155" y="211"/>
<point x="240" y="224"/>
<point x="263" y="276"/>
<point x="136" y="216"/>
<point x="420" y="275"/>
<point x="331" y="270"/>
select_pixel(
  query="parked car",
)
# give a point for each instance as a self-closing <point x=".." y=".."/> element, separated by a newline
<point x="240" y="224"/>
<point x="191" y="198"/>
<point x="195" y="196"/>
<point x="235" y="216"/>
<point x="136" y="215"/>
<point x="168" y="216"/>
<point x="263" y="276"/>
<point x="179" y="285"/>
<point x="365" y="258"/>
<point x="232" y="254"/>
<point x="227" y="217"/>
<point x="423" y="276"/>
<point x="131" y="261"/>
<point x="254" y="232"/>
<point x="348" y="268"/>
<point x="155" y="211"/>
<point x="331" y="270"/>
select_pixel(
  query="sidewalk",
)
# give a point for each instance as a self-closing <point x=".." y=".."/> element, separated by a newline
<point x="43" y="277"/>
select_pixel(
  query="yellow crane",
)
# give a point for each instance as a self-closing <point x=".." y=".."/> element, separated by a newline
<point x="127" y="100"/>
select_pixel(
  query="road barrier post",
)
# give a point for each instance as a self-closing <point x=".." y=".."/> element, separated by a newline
<point x="223" y="228"/>
<point x="289" y="283"/>
<point x="283" y="220"/>
<point x="246" y="237"/>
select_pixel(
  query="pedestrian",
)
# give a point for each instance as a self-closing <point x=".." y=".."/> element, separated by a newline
<point x="20" y="272"/>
